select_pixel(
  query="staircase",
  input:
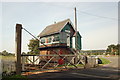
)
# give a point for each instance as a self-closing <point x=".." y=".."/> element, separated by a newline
<point x="73" y="51"/>
<point x="79" y="57"/>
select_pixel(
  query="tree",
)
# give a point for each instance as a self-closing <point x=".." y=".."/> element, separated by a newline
<point x="5" y="53"/>
<point x="110" y="47"/>
<point x="33" y="46"/>
<point x="0" y="53"/>
<point x="113" y="49"/>
<point x="23" y="53"/>
<point x="118" y="49"/>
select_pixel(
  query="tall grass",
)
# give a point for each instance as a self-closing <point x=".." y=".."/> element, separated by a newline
<point x="7" y="57"/>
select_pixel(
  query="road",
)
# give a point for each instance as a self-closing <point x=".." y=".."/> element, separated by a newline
<point x="114" y="62"/>
<point x="106" y="72"/>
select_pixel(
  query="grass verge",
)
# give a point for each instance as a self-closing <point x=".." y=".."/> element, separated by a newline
<point x="105" y="61"/>
<point x="70" y="66"/>
<point x="15" y="77"/>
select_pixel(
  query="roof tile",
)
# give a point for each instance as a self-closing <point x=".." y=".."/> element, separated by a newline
<point x="54" y="28"/>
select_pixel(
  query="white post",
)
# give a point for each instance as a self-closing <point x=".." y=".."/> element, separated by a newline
<point x="23" y="63"/>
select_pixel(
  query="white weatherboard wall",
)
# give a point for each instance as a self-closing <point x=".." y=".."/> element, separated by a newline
<point x="73" y="42"/>
<point x="68" y="37"/>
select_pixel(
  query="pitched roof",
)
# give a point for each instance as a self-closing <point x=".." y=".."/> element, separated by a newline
<point x="54" y="28"/>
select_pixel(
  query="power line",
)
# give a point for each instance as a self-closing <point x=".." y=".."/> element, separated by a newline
<point x="98" y="15"/>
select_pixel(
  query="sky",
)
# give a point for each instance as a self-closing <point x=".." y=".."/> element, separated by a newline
<point x="97" y="21"/>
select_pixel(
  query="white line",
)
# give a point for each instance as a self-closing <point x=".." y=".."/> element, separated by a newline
<point x="111" y="69"/>
<point x="89" y="75"/>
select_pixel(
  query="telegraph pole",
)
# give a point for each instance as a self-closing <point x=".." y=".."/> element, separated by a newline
<point x="18" y="48"/>
<point x="75" y="18"/>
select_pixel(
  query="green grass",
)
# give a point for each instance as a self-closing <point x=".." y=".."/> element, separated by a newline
<point x="15" y="77"/>
<point x="70" y="66"/>
<point x="79" y="65"/>
<point x="105" y="61"/>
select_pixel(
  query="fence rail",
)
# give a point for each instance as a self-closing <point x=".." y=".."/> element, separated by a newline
<point x="8" y="67"/>
<point x="40" y="62"/>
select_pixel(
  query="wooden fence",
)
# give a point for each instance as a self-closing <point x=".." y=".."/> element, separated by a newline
<point x="40" y="62"/>
<point x="8" y="67"/>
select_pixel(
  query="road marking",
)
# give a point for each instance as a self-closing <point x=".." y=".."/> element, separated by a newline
<point x="111" y="69"/>
<point x="107" y="69"/>
<point x="88" y="75"/>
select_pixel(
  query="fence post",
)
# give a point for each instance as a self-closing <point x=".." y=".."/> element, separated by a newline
<point x="23" y="63"/>
<point x="33" y="60"/>
<point x="18" y="48"/>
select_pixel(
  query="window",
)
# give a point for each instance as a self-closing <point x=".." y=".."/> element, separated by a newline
<point x="42" y="40"/>
<point x="49" y="40"/>
<point x="56" y="38"/>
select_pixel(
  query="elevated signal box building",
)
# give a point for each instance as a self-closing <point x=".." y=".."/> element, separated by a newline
<point x="60" y="37"/>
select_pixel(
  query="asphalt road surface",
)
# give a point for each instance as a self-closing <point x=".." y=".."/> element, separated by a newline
<point x="106" y="72"/>
<point x="114" y="62"/>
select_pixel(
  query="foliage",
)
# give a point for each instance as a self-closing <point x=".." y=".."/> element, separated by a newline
<point x="5" y="53"/>
<point x="33" y="46"/>
<point x="93" y="52"/>
<point x="17" y="76"/>
<point x="113" y="49"/>
<point x="23" y="53"/>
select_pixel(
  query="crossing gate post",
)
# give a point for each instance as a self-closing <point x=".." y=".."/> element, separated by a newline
<point x="18" y="48"/>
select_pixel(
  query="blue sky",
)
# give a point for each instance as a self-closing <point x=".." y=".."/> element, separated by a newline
<point x="97" y="32"/>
